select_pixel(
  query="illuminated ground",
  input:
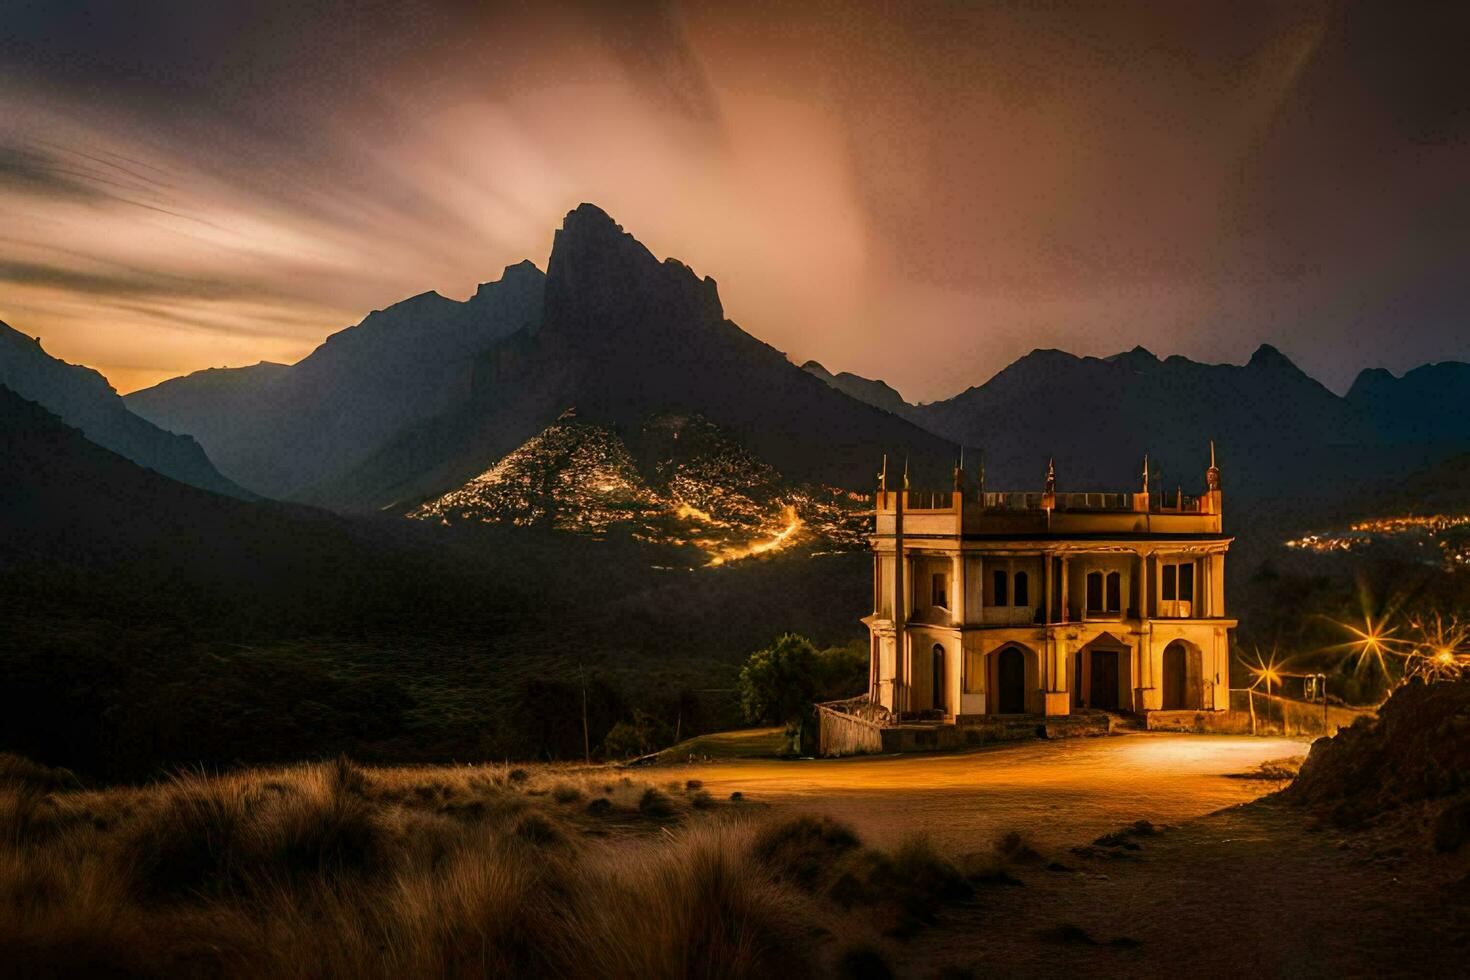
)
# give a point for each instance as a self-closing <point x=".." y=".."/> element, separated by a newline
<point x="1260" y="890"/>
<point x="1257" y="891"/>
<point x="1059" y="793"/>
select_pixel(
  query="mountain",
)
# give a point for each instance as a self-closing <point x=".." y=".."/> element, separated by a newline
<point x="283" y="430"/>
<point x="89" y="532"/>
<point x="82" y="398"/>
<point x="1430" y="404"/>
<point x="610" y="331"/>
<point x="1277" y="432"/>
<point x="875" y="393"/>
<point x="678" y="480"/>
<point x="1097" y="417"/>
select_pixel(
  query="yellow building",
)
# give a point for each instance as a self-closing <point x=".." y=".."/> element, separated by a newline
<point x="1048" y="603"/>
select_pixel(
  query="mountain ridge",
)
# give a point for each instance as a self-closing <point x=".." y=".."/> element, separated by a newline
<point x="618" y="335"/>
<point x="1279" y="430"/>
<point x="84" y="399"/>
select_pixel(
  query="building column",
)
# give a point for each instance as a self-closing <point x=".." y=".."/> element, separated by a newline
<point x="1046" y="577"/>
<point x="1065" y="576"/>
<point x="957" y="588"/>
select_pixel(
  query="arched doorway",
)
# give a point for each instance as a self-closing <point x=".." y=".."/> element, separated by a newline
<point x="1011" y="682"/>
<point x="937" y="674"/>
<point x="1182" y="670"/>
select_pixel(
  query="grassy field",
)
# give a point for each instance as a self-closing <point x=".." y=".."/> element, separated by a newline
<point x="743" y="743"/>
<point x="337" y="870"/>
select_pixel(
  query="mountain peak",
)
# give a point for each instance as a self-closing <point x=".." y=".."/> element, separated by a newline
<point x="590" y="226"/>
<point x="1267" y="355"/>
<point x="524" y="274"/>
<point x="1139" y="357"/>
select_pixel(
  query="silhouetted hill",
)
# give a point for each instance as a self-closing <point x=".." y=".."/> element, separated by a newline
<point x="88" y="529"/>
<point x="1278" y="432"/>
<point x="377" y="418"/>
<point x="875" y="393"/>
<point x="137" y="609"/>
<point x="83" y="398"/>
<point x="1430" y="404"/>
<point x="210" y="404"/>
<point x="1272" y="425"/>
<point x="285" y="431"/>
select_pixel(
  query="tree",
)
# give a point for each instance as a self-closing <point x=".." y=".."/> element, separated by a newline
<point x="777" y="682"/>
<point x="643" y="735"/>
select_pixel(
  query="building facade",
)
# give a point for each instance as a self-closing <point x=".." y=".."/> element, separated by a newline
<point x="1048" y="603"/>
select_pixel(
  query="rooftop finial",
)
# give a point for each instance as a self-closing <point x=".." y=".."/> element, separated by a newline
<point x="1051" y="477"/>
<point x="1145" y="472"/>
<point x="883" y="475"/>
<point x="905" y="472"/>
<point x="1212" y="475"/>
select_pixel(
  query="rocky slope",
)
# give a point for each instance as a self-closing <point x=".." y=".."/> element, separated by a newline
<point x="677" y="480"/>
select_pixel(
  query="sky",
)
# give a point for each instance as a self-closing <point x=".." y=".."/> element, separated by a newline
<point x="918" y="192"/>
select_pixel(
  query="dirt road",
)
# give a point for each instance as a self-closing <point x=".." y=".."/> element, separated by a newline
<point x="1058" y="793"/>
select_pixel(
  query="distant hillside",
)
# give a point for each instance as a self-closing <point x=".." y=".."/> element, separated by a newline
<point x="89" y="532"/>
<point x="82" y="398"/>
<point x="875" y="393"/>
<point x="284" y="430"/>
<point x="138" y="609"/>
<point x="378" y="418"/>
<point x="677" y="480"/>
<point x="1278" y="433"/>
<point x="1430" y="404"/>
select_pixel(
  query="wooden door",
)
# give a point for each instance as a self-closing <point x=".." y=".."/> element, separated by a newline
<point x="1104" y="688"/>
<point x="1011" y="679"/>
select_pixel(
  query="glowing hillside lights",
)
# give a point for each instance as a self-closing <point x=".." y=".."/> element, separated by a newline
<point x="781" y="539"/>
<point x="1449" y="534"/>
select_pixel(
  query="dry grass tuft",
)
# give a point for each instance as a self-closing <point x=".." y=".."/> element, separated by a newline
<point x="655" y="805"/>
<point x="567" y="793"/>
<point x="806" y="849"/>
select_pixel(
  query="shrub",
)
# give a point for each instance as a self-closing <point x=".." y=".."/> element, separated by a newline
<point x="655" y="804"/>
<point x="534" y="828"/>
<point x="804" y="849"/>
<point x="18" y="770"/>
<point x="566" y="793"/>
<point x="644" y="735"/>
<point x="189" y="844"/>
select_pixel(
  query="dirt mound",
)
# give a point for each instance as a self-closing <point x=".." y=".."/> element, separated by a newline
<point x="1417" y="751"/>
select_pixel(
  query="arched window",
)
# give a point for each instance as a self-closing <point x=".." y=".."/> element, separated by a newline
<point x="1021" y="595"/>
<point x="1115" y="592"/>
<point x="998" y="589"/>
<point x="1094" y="592"/>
